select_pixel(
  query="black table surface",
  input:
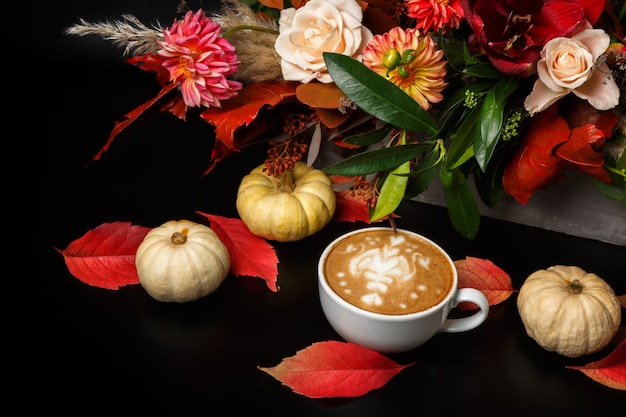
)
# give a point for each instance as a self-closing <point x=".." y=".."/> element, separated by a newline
<point x="78" y="348"/>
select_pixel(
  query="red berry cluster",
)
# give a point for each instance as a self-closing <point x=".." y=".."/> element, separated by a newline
<point x="365" y="190"/>
<point x="283" y="154"/>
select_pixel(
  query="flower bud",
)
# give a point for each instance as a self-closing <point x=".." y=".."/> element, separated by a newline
<point x="391" y="59"/>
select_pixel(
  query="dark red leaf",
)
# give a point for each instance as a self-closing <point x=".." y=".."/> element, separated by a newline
<point x="105" y="256"/>
<point x="534" y="166"/>
<point x="610" y="371"/>
<point x="485" y="276"/>
<point x="335" y="369"/>
<point x="250" y="255"/>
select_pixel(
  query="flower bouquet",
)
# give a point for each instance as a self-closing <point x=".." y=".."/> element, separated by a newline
<point x="506" y="93"/>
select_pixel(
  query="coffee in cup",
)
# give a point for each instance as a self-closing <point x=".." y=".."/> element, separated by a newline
<point x="392" y="290"/>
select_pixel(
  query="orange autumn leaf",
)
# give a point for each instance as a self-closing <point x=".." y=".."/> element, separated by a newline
<point x="320" y="95"/>
<point x="610" y="371"/>
<point x="335" y="369"/>
<point x="582" y="150"/>
<point x="485" y="276"/>
<point x="534" y="166"/>
<point x="250" y="255"/>
<point x="105" y="256"/>
<point x="274" y="4"/>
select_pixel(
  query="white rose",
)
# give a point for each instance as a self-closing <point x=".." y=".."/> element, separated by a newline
<point x="317" y="27"/>
<point x="567" y="65"/>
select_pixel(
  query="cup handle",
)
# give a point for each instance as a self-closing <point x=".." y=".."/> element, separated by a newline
<point x="473" y="296"/>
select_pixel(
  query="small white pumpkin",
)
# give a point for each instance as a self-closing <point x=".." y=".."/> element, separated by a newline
<point x="568" y="310"/>
<point x="286" y="208"/>
<point x="181" y="261"/>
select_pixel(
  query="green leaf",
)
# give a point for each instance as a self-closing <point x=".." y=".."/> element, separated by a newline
<point x="377" y="160"/>
<point x="491" y="118"/>
<point x="483" y="70"/>
<point x="378" y="96"/>
<point x="462" y="207"/>
<point x="391" y="192"/>
<point x="422" y="175"/>
<point x="454" y="51"/>
<point x="461" y="148"/>
<point x="370" y="137"/>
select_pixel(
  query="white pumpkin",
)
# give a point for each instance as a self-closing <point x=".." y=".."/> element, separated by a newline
<point x="568" y="310"/>
<point x="181" y="261"/>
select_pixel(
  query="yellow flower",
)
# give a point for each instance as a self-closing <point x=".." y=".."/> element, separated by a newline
<point x="422" y="76"/>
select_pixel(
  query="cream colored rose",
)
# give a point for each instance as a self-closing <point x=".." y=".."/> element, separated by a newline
<point x="567" y="65"/>
<point x="319" y="26"/>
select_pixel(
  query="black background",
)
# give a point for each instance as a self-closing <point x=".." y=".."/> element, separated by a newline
<point x="77" y="348"/>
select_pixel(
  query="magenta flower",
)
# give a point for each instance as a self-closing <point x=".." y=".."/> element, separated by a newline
<point x="199" y="60"/>
<point x="435" y="14"/>
<point x="513" y="32"/>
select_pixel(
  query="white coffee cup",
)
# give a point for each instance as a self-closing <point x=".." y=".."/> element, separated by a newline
<point x="397" y="332"/>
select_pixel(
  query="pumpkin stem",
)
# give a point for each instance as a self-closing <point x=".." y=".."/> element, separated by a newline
<point x="286" y="183"/>
<point x="575" y="287"/>
<point x="179" y="238"/>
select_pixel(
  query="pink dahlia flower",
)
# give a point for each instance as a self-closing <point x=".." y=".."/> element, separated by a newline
<point x="436" y="14"/>
<point x="199" y="60"/>
<point x="423" y="78"/>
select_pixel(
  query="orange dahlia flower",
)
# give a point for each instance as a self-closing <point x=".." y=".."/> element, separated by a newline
<point x="422" y="76"/>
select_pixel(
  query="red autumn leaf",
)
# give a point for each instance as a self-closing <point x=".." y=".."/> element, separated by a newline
<point x="152" y="62"/>
<point x="610" y="371"/>
<point x="133" y="115"/>
<point x="533" y="165"/>
<point x="350" y="208"/>
<point x="250" y="255"/>
<point x="335" y="369"/>
<point x="580" y="151"/>
<point x="483" y="275"/>
<point x="105" y="256"/>
<point x="243" y="109"/>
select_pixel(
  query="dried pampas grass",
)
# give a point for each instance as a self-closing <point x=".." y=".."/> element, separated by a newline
<point x="255" y="48"/>
<point x="129" y="33"/>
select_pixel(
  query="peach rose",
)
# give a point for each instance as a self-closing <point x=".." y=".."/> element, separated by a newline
<point x="317" y="27"/>
<point x="568" y="65"/>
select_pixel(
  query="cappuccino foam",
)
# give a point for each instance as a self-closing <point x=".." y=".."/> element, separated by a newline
<point x="388" y="272"/>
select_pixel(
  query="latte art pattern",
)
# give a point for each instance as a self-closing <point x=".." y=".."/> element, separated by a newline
<point x="388" y="272"/>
